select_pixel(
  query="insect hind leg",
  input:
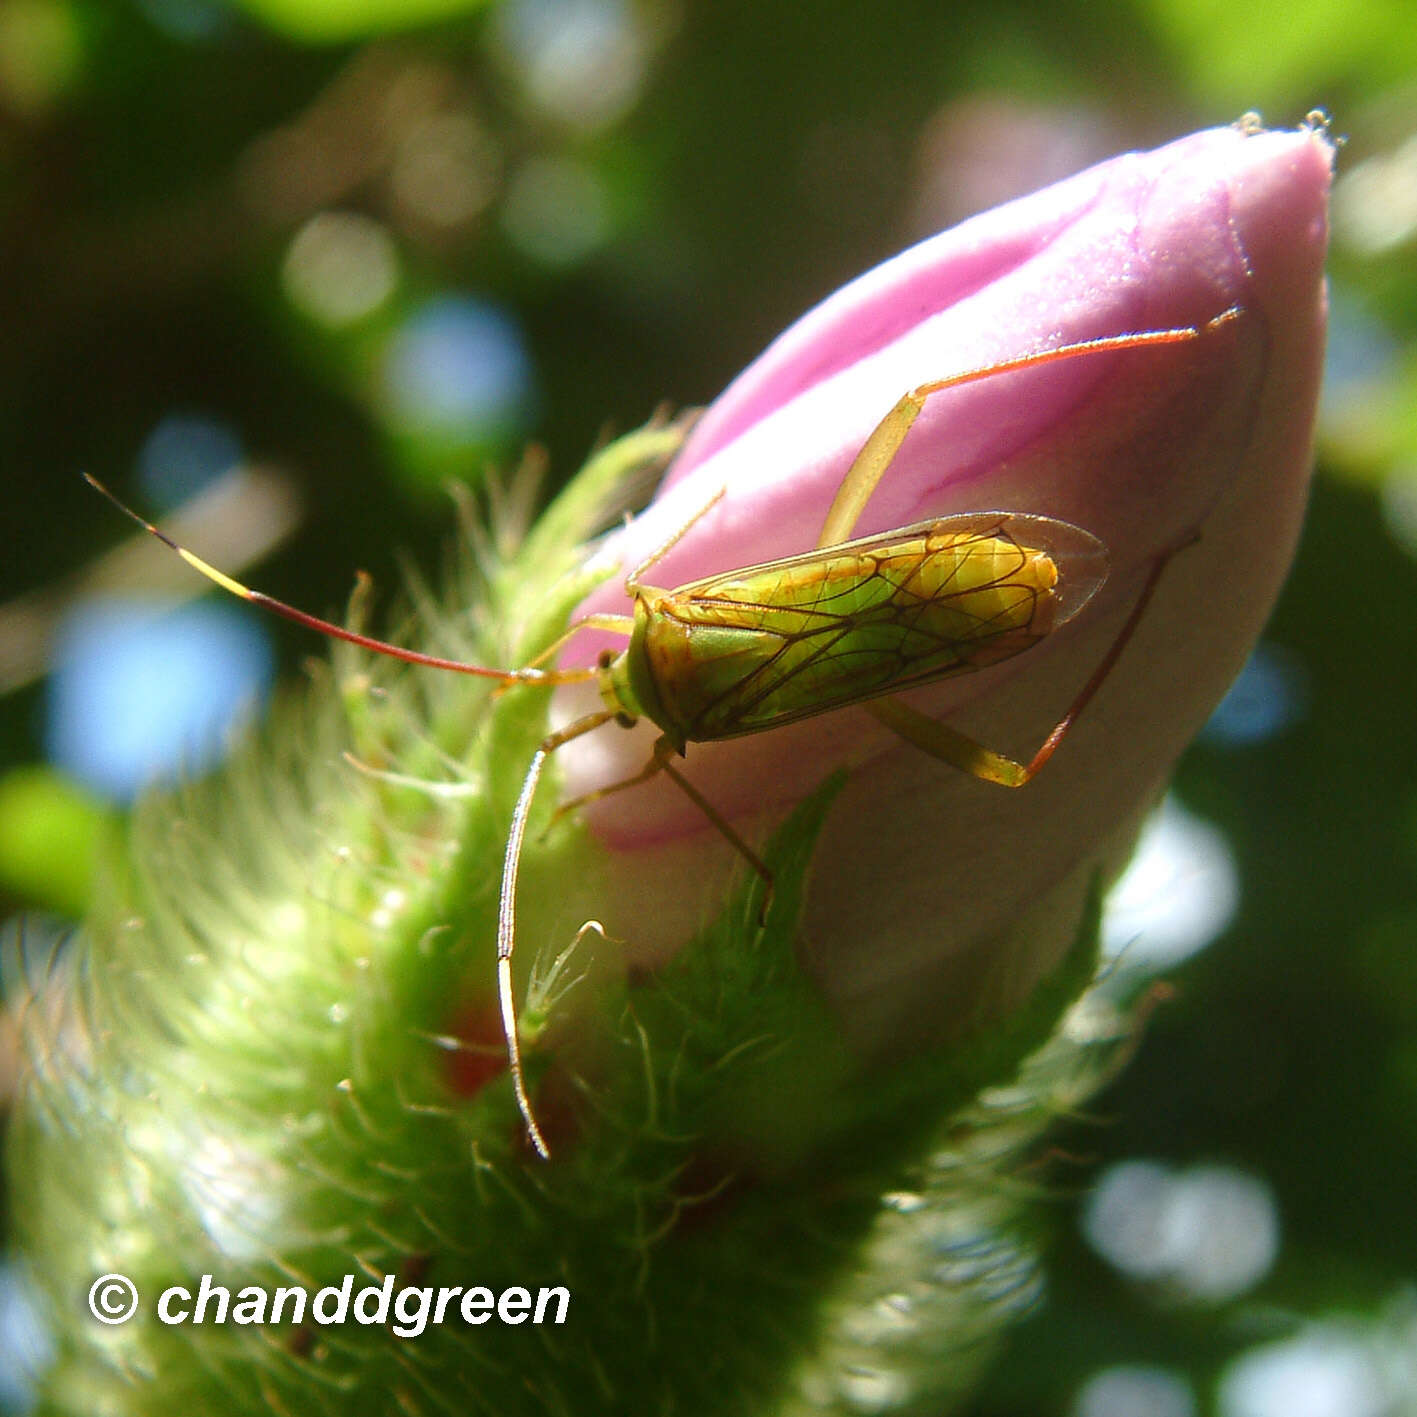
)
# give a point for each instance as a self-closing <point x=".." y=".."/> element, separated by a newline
<point x="949" y="745"/>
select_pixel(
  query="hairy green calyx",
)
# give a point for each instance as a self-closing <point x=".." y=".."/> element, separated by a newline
<point x="273" y="1059"/>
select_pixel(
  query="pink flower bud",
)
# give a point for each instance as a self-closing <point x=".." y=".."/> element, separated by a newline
<point x="935" y="896"/>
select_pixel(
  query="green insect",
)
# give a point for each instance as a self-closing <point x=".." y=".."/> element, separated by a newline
<point x="850" y="622"/>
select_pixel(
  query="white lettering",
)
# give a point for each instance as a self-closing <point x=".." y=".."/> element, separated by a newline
<point x="408" y="1311"/>
<point x="298" y="1298"/>
<point x="250" y="1306"/>
<point x="205" y="1291"/>
<point x="543" y="1297"/>
<point x="383" y="1295"/>
<point x="410" y="1325"/>
<point x="341" y="1293"/>
<point x="513" y="1301"/>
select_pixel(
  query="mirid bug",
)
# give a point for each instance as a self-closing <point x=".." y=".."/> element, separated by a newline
<point x="850" y="622"/>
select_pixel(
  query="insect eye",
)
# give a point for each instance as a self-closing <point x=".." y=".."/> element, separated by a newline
<point x="626" y="720"/>
<point x="606" y="658"/>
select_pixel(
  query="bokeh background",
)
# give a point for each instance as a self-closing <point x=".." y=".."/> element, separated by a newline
<point x="291" y="264"/>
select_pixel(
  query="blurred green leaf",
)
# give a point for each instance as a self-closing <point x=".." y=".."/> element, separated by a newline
<point x="50" y="833"/>
<point x="41" y="53"/>
<point x="1284" y="52"/>
<point x="335" y="21"/>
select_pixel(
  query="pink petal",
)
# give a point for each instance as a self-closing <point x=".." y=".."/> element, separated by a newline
<point x="1144" y="448"/>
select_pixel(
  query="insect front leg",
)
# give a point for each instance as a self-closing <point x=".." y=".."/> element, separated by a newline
<point x="726" y="830"/>
<point x="532" y="672"/>
<point x="633" y="581"/>
<point x="618" y="624"/>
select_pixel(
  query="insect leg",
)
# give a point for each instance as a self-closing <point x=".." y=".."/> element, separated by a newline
<point x="950" y="746"/>
<point x="532" y="672"/>
<point x="726" y="830"/>
<point x="620" y="624"/>
<point x="879" y="450"/>
<point x="507" y="910"/>
<point x="511" y="865"/>
<point x="632" y="581"/>
<point x="659" y="762"/>
<point x="656" y="764"/>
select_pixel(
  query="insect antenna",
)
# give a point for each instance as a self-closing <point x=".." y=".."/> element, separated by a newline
<point x="507" y="911"/>
<point x="340" y="632"/>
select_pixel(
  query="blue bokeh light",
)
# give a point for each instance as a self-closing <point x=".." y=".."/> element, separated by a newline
<point x="182" y="455"/>
<point x="1205" y="1234"/>
<point x="1326" y="1371"/>
<point x="1359" y="353"/>
<point x="1180" y="891"/>
<point x="26" y="1348"/>
<point x="459" y="369"/>
<point x="580" y="61"/>
<point x="1130" y="1390"/>
<point x="143" y="692"/>
<point x="1268" y="697"/>
<point x="193" y="21"/>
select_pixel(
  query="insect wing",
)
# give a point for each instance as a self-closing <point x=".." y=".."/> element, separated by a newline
<point x="746" y="650"/>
